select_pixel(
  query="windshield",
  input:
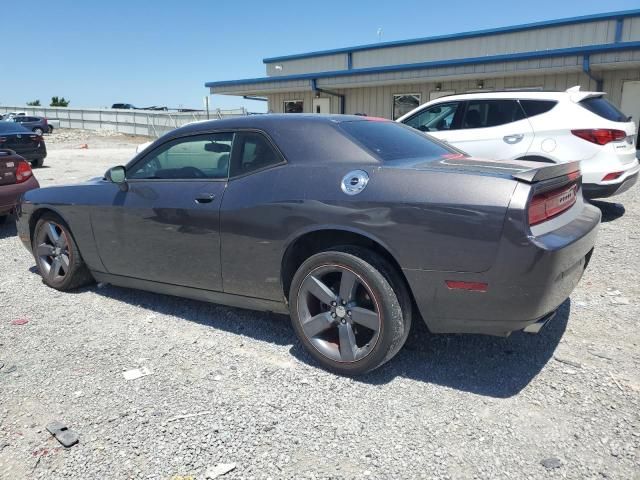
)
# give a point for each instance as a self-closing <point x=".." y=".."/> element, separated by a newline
<point x="12" y="127"/>
<point x="393" y="141"/>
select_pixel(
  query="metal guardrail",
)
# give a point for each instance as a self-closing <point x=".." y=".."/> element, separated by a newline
<point x="135" y="122"/>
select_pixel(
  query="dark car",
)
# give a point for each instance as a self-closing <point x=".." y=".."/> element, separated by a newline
<point x="37" y="125"/>
<point x="124" y="106"/>
<point x="16" y="177"/>
<point x="24" y="142"/>
<point x="353" y="225"/>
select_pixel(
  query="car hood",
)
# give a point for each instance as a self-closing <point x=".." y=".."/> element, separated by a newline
<point x="467" y="165"/>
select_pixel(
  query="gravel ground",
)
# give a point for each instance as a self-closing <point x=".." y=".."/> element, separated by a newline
<point x="230" y="386"/>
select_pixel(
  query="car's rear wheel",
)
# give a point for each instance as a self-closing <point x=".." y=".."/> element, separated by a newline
<point x="57" y="255"/>
<point x="38" y="131"/>
<point x="37" y="163"/>
<point x="50" y="129"/>
<point x="350" y="309"/>
<point x="3" y="218"/>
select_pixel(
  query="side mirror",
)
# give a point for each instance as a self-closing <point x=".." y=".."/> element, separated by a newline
<point x="116" y="175"/>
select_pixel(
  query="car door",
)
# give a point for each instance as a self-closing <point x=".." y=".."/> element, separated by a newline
<point x="439" y="120"/>
<point x="248" y="222"/>
<point x="495" y="129"/>
<point x="163" y="223"/>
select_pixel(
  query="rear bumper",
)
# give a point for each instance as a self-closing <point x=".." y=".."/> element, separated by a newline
<point x="9" y="194"/>
<point x="531" y="278"/>
<point x="595" y="190"/>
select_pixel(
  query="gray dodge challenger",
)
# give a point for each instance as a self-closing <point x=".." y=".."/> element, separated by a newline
<point x="354" y="226"/>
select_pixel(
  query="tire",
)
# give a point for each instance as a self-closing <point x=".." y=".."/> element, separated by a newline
<point x="37" y="163"/>
<point x="350" y="309"/>
<point x="53" y="248"/>
<point x="38" y="131"/>
<point x="3" y="218"/>
<point x="50" y="129"/>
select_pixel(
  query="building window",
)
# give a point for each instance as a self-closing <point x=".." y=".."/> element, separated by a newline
<point x="404" y="103"/>
<point x="293" y="106"/>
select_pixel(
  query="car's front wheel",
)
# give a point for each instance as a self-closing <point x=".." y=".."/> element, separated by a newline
<point x="350" y="309"/>
<point x="38" y="131"/>
<point x="57" y="255"/>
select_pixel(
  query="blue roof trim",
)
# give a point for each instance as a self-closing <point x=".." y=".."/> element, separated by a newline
<point x="586" y="50"/>
<point x="456" y="36"/>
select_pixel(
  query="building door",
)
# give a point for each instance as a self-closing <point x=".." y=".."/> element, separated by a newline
<point x="321" y="105"/>
<point x="631" y="102"/>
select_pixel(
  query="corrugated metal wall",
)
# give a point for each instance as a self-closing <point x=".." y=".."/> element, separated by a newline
<point x="540" y="39"/>
<point x="378" y="101"/>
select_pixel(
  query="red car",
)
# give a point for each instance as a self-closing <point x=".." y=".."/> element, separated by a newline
<point x="16" y="177"/>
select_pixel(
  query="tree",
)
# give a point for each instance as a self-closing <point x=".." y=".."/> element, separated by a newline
<point x="34" y="103"/>
<point x="59" y="102"/>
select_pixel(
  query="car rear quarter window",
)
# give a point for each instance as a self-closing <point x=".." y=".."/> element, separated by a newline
<point x="537" y="107"/>
<point x="603" y="108"/>
<point x="251" y="152"/>
<point x="393" y="141"/>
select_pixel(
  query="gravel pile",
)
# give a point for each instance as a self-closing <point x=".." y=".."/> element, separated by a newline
<point x="228" y="393"/>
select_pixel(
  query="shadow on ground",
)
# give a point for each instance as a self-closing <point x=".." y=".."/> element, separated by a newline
<point x="610" y="210"/>
<point x="490" y="366"/>
<point x="8" y="228"/>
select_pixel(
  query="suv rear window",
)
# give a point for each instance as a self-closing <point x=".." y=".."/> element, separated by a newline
<point x="393" y="141"/>
<point x="603" y="108"/>
<point x="537" y="107"/>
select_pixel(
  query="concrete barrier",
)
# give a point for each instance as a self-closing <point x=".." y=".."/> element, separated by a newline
<point x="135" y="122"/>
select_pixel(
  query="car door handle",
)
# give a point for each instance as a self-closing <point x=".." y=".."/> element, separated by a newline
<point x="205" y="197"/>
<point x="512" y="139"/>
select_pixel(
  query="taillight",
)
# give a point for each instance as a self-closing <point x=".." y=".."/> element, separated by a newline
<point x="3" y="139"/>
<point x="611" y="176"/>
<point x="23" y="172"/>
<point x="600" y="136"/>
<point x="547" y="205"/>
<point x="36" y="138"/>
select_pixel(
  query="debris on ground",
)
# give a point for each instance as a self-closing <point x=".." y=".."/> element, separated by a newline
<point x="219" y="470"/>
<point x="551" y="463"/>
<point x="189" y="415"/>
<point x="136" y="373"/>
<point x="20" y="321"/>
<point x="68" y="438"/>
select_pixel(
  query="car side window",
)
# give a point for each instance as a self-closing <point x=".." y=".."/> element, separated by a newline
<point x="435" y="118"/>
<point x="197" y="157"/>
<point x="537" y="107"/>
<point x="252" y="151"/>
<point x="491" y="113"/>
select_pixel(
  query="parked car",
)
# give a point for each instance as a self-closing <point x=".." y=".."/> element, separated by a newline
<point x="124" y="106"/>
<point x="346" y="223"/>
<point x="16" y="177"/>
<point x="37" y="125"/>
<point x="551" y="127"/>
<point x="53" y="124"/>
<point x="24" y="142"/>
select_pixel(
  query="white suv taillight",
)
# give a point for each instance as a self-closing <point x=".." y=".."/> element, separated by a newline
<point x="600" y="136"/>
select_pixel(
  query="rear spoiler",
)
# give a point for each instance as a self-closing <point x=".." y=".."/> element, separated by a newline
<point x="545" y="173"/>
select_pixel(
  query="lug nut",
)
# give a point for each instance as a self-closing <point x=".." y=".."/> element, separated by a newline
<point x="333" y="304"/>
<point x="349" y="312"/>
<point x="333" y="314"/>
<point x="344" y="302"/>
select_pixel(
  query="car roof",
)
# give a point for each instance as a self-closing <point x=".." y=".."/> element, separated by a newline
<point x="515" y="94"/>
<point x="268" y="121"/>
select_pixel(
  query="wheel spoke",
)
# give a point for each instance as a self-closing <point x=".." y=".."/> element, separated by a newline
<point x="348" y="285"/>
<point x="55" y="268"/>
<point x="64" y="263"/>
<point x="348" y="347"/>
<point x="52" y="233"/>
<point x="44" y="250"/>
<point x="366" y="318"/>
<point x="317" y="324"/>
<point x="319" y="290"/>
<point x="62" y="241"/>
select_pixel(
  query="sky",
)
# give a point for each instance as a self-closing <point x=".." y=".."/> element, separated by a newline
<point x="97" y="53"/>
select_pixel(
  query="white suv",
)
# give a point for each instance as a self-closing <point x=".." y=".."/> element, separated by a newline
<point x="543" y="126"/>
